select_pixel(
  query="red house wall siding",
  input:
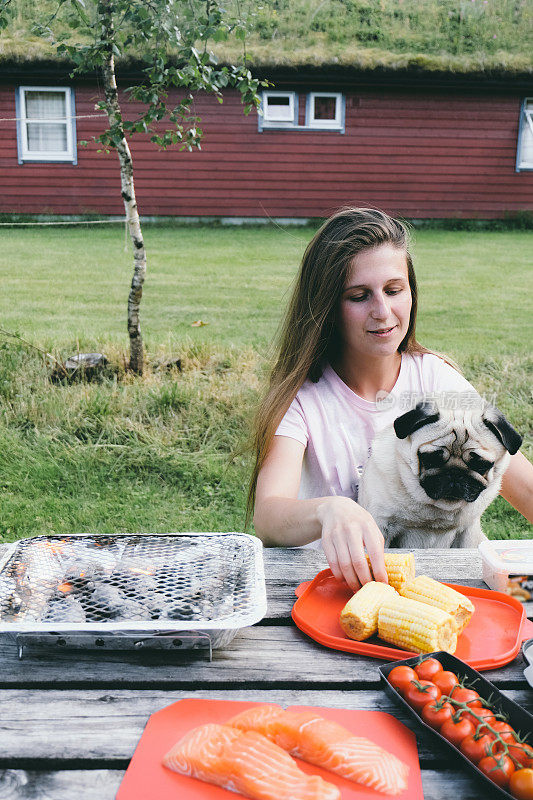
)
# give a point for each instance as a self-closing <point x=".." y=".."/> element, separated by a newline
<point x="417" y="154"/>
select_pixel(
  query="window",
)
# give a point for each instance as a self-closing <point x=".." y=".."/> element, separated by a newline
<point x="524" y="155"/>
<point x="279" y="110"/>
<point x="46" y="129"/>
<point x="324" y="111"/>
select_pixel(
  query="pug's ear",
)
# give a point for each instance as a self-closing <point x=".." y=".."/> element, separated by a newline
<point x="502" y="429"/>
<point x="422" y="414"/>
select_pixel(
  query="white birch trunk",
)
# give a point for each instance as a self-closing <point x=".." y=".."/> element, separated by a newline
<point x="128" y="193"/>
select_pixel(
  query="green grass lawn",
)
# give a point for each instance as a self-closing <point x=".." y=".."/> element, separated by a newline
<point x="69" y="285"/>
<point x="163" y="453"/>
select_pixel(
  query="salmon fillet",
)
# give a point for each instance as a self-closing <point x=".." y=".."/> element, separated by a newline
<point x="246" y="763"/>
<point x="319" y="741"/>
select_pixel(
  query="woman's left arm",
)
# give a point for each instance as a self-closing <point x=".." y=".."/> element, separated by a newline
<point x="517" y="485"/>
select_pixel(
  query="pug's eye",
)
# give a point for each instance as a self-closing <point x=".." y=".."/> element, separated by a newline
<point x="432" y="459"/>
<point x="478" y="464"/>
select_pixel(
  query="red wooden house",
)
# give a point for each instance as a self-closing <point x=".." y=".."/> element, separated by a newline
<point x="417" y="144"/>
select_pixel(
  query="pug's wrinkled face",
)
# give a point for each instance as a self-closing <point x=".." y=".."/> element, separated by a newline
<point x="455" y="467"/>
<point x="455" y="453"/>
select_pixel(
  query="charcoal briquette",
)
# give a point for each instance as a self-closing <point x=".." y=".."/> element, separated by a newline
<point x="66" y="610"/>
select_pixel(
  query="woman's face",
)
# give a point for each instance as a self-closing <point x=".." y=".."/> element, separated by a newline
<point x="376" y="302"/>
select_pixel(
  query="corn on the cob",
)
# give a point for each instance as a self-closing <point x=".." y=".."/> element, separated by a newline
<point x="426" y="590"/>
<point x="400" y="568"/>
<point x="416" y="626"/>
<point x="359" y="617"/>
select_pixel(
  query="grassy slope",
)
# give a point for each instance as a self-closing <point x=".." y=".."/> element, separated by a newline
<point x="155" y="454"/>
<point x="426" y="34"/>
<point x="452" y="35"/>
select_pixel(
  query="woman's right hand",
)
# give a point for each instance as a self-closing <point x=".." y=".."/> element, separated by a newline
<point x="347" y="529"/>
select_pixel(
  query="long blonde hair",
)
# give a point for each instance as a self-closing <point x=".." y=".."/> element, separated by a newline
<point x="308" y="338"/>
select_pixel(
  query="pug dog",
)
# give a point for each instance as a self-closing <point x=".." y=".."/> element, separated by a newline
<point x="433" y="472"/>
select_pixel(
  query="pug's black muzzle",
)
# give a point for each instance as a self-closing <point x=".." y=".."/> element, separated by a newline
<point x="451" y="484"/>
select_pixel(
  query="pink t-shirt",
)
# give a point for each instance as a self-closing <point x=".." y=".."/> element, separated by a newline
<point x="337" y="426"/>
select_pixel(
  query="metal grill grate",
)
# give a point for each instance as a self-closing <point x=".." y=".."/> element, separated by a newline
<point x="192" y="581"/>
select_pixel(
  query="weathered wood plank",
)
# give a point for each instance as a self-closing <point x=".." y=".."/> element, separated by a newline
<point x="100" y="784"/>
<point x="286" y="568"/>
<point x="442" y="564"/>
<point x="444" y="784"/>
<point x="261" y="655"/>
<point x="106" y="726"/>
<point x="103" y="784"/>
<point x="281" y="597"/>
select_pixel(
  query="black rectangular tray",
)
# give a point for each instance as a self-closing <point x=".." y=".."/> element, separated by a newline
<point x="519" y="718"/>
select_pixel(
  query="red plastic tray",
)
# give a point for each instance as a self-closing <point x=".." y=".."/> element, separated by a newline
<point x="146" y="777"/>
<point x="492" y="638"/>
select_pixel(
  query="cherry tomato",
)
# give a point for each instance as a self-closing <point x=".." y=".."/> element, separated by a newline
<point x="502" y="727"/>
<point x="520" y="752"/>
<point x="499" y="769"/>
<point x="419" y="693"/>
<point x="476" y="747"/>
<point x="485" y="714"/>
<point x="509" y="737"/>
<point x="463" y="695"/>
<point x="455" y="730"/>
<point x="437" y="713"/>
<point x="529" y="753"/>
<point x="428" y="668"/>
<point x="401" y="677"/>
<point x="521" y="784"/>
<point x="445" y="681"/>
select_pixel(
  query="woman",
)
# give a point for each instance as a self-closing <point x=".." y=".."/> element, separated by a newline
<point x="348" y="342"/>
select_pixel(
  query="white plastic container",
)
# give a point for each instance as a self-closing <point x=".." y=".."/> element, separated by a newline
<point x="508" y="566"/>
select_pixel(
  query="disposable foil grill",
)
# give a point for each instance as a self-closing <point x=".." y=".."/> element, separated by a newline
<point x="210" y="584"/>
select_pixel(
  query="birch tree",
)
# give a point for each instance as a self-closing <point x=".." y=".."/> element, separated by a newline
<point x="171" y="38"/>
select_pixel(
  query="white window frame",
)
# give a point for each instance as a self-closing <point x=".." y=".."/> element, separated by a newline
<point x="326" y="124"/>
<point x="266" y="121"/>
<point x="27" y="155"/>
<point x="525" y="128"/>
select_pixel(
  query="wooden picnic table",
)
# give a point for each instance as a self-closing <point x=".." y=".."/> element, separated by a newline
<point x="70" y="724"/>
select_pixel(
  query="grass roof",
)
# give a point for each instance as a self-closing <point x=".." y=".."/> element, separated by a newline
<point x="454" y="36"/>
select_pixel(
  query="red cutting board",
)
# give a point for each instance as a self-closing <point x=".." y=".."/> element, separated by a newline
<point x="491" y="639"/>
<point x="147" y="779"/>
